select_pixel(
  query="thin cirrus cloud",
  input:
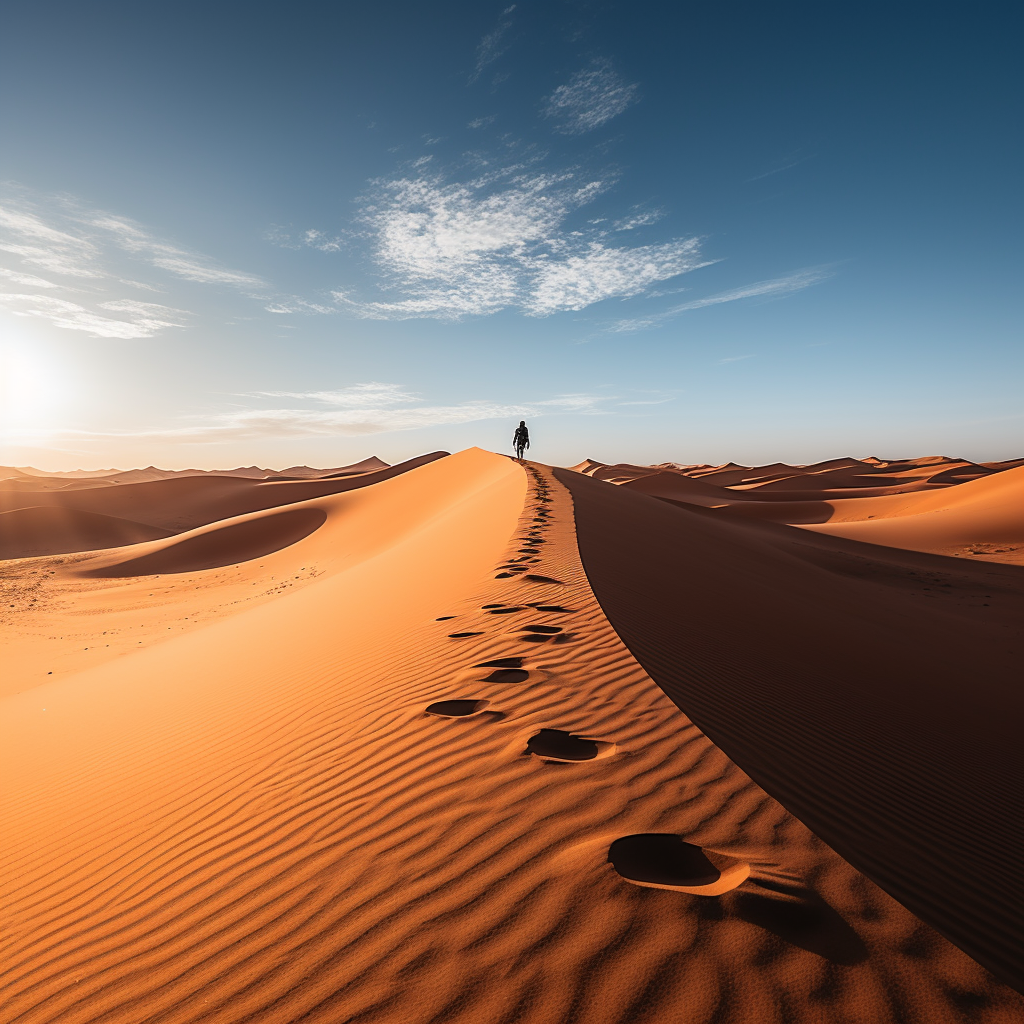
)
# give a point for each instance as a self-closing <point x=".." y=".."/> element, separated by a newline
<point x="493" y="45"/>
<point x="473" y="248"/>
<point x="58" y="236"/>
<point x="137" y="319"/>
<point x="590" y="99"/>
<point x="358" y="410"/>
<point x="776" y="287"/>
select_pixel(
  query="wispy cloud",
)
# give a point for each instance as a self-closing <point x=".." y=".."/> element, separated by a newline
<point x="798" y="156"/>
<point x="310" y="238"/>
<point x="357" y="410"/>
<point x="38" y="244"/>
<point x="589" y="99"/>
<point x="369" y="395"/>
<point x="81" y="246"/>
<point x="295" y="304"/>
<point x="493" y="45"/>
<point x="139" y="319"/>
<point x="736" y="359"/>
<point x="579" y="281"/>
<point x="477" y="247"/>
<point x="774" y="288"/>
<point x="482" y="122"/>
<point x="26" y="280"/>
<point x="188" y="265"/>
<point x="638" y="219"/>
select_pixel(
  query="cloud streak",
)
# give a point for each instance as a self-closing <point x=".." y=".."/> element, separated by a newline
<point x="774" y="288"/>
<point x="361" y="409"/>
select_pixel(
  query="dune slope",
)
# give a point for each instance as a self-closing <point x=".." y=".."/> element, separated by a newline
<point x="26" y="532"/>
<point x="875" y="693"/>
<point x="186" y="502"/>
<point x="411" y="785"/>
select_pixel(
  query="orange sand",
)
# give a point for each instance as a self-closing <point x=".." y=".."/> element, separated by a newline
<point x="255" y="818"/>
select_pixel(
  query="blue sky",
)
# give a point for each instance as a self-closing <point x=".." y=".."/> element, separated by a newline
<point x="305" y="233"/>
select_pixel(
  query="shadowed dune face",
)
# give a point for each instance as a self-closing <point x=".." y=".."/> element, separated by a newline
<point x="29" y="532"/>
<point x="223" y="545"/>
<point x="939" y="505"/>
<point x="884" y="718"/>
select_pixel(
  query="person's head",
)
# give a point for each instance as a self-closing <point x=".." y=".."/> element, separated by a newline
<point x="522" y="423"/>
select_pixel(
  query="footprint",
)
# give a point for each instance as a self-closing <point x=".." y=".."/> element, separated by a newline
<point x="457" y="708"/>
<point x="540" y="629"/>
<point x="507" y="675"/>
<point x="534" y="578"/>
<point x="661" y="860"/>
<point x="556" y="745"/>
<point x="505" y="611"/>
<point x="505" y="576"/>
<point x="444" y="618"/>
<point x="552" y="608"/>
<point x="502" y="663"/>
<point x="458" y="636"/>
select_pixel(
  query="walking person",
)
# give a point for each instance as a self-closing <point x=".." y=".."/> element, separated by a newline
<point x="521" y="439"/>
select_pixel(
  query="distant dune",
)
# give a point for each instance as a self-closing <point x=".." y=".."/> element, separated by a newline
<point x="467" y="740"/>
<point x="53" y="530"/>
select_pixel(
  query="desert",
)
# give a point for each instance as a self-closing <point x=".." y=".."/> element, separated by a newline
<point x="511" y="513"/>
<point x="474" y="739"/>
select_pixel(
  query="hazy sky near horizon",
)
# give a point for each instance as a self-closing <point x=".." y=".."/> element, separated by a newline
<point x="306" y="233"/>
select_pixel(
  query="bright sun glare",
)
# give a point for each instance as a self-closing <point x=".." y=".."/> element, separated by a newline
<point x="32" y="388"/>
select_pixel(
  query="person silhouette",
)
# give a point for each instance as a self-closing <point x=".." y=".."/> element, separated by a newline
<point x="521" y="439"/>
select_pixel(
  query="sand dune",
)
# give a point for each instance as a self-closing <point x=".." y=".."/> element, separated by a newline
<point x="981" y="518"/>
<point x="985" y="514"/>
<point x="186" y="502"/>
<point x="136" y="476"/>
<point x="830" y="673"/>
<point x="225" y="543"/>
<point x="26" y="532"/>
<point x="401" y="759"/>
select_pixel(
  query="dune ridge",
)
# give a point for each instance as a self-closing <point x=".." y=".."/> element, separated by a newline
<point x="260" y="820"/>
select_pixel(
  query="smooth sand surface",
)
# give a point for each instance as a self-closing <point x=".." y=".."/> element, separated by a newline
<point x="984" y="516"/>
<point x="393" y="762"/>
<point x="26" y="532"/>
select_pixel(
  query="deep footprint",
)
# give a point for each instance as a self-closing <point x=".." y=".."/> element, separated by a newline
<point x="458" y="636"/>
<point x="662" y="860"/>
<point x="562" y="746"/>
<point x="457" y="708"/>
<point x="507" y="675"/>
<point x="540" y="629"/>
